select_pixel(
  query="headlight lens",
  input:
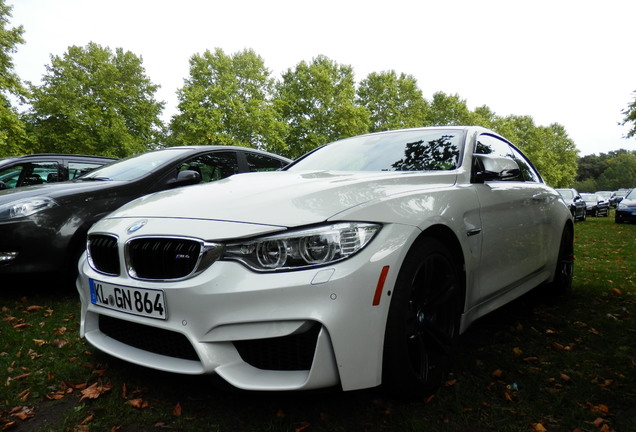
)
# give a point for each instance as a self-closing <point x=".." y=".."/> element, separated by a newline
<point x="25" y="207"/>
<point x="304" y="248"/>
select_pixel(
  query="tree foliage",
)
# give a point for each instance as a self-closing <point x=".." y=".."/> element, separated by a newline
<point x="316" y="101"/>
<point x="393" y="101"/>
<point x="227" y="101"/>
<point x="13" y="139"/>
<point x="607" y="171"/>
<point x="95" y="101"/>
<point x="630" y="117"/>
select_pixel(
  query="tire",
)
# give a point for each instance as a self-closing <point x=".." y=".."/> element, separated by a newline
<point x="564" y="272"/>
<point x="423" y="323"/>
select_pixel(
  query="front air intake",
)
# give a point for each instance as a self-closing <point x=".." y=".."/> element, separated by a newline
<point x="160" y="258"/>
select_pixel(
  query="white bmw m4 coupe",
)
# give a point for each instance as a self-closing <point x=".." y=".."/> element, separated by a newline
<point x="358" y="265"/>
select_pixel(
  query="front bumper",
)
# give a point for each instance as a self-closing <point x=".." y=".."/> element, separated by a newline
<point x="279" y="331"/>
<point x="628" y="215"/>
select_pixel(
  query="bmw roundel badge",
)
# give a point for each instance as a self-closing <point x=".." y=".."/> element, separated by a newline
<point x="136" y="226"/>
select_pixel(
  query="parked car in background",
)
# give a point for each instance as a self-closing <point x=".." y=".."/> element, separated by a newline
<point x="43" y="228"/>
<point x="621" y="194"/>
<point x="595" y="205"/>
<point x="626" y="209"/>
<point x="358" y="264"/>
<point x="574" y="202"/>
<point x="609" y="196"/>
<point x="46" y="168"/>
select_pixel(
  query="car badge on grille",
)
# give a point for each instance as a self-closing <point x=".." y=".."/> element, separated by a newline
<point x="136" y="226"/>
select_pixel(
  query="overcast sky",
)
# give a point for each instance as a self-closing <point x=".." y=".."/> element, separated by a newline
<point x="559" y="61"/>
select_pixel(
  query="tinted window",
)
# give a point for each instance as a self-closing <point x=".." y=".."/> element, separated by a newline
<point x="28" y="174"/>
<point x="212" y="166"/>
<point x="259" y="162"/>
<point x="76" y="169"/>
<point x="414" y="150"/>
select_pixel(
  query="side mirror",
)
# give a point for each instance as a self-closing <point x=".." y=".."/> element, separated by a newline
<point x="186" y="178"/>
<point x="488" y="167"/>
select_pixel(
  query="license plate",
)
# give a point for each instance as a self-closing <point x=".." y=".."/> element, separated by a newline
<point x="136" y="301"/>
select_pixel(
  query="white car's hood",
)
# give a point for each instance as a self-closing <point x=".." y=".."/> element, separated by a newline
<point x="280" y="198"/>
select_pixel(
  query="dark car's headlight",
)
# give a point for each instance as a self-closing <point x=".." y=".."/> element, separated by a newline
<point x="25" y="207"/>
<point x="305" y="248"/>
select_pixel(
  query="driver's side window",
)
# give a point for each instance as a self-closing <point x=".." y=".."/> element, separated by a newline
<point x="212" y="166"/>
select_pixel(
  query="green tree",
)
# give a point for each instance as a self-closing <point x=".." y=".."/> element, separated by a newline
<point x="95" y="101"/>
<point x="620" y="173"/>
<point x="317" y="103"/>
<point x="13" y="137"/>
<point x="449" y="110"/>
<point x="393" y="102"/>
<point x="227" y="100"/>
<point x="630" y="117"/>
<point x="549" y="149"/>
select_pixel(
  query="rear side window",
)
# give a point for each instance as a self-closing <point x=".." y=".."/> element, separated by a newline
<point x="259" y="162"/>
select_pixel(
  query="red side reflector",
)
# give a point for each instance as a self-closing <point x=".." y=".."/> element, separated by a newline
<point x="380" y="287"/>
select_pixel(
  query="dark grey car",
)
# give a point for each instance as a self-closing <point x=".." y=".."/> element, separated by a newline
<point x="43" y="228"/>
<point x="574" y="201"/>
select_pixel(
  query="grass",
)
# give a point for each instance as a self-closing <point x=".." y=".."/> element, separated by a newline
<point x="558" y="364"/>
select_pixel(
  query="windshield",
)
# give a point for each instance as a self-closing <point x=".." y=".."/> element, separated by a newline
<point x="412" y="150"/>
<point x="566" y="194"/>
<point x="135" y="166"/>
<point x="588" y="197"/>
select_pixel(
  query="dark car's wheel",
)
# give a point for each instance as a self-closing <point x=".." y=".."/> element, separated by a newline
<point x="423" y="322"/>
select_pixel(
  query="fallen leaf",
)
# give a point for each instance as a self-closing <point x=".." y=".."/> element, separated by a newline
<point x="59" y="343"/>
<point x="598" y="422"/>
<point x="517" y="351"/>
<point x="497" y="373"/>
<point x="177" y="409"/>
<point x="87" y="419"/>
<point x="538" y="427"/>
<point x="34" y="308"/>
<point x="94" y="391"/>
<point x="302" y="427"/>
<point x="9" y="425"/>
<point x="24" y="395"/>
<point x="22" y="412"/>
<point x="138" y="403"/>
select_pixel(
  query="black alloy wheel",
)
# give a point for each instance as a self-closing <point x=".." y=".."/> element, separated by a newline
<point x="564" y="273"/>
<point x="423" y="323"/>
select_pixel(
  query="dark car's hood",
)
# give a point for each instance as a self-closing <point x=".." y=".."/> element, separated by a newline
<point x="56" y="190"/>
<point x="280" y="198"/>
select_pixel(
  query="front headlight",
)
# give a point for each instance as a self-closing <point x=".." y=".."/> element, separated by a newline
<point x="25" y="207"/>
<point x="305" y="248"/>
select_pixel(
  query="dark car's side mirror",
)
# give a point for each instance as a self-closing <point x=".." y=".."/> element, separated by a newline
<point x="577" y="198"/>
<point x="488" y="167"/>
<point x="186" y="178"/>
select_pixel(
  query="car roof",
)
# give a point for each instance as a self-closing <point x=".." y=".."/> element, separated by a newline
<point x="6" y="160"/>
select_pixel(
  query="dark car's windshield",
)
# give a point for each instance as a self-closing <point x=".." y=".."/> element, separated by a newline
<point x="412" y="150"/>
<point x="133" y="167"/>
<point x="566" y="194"/>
